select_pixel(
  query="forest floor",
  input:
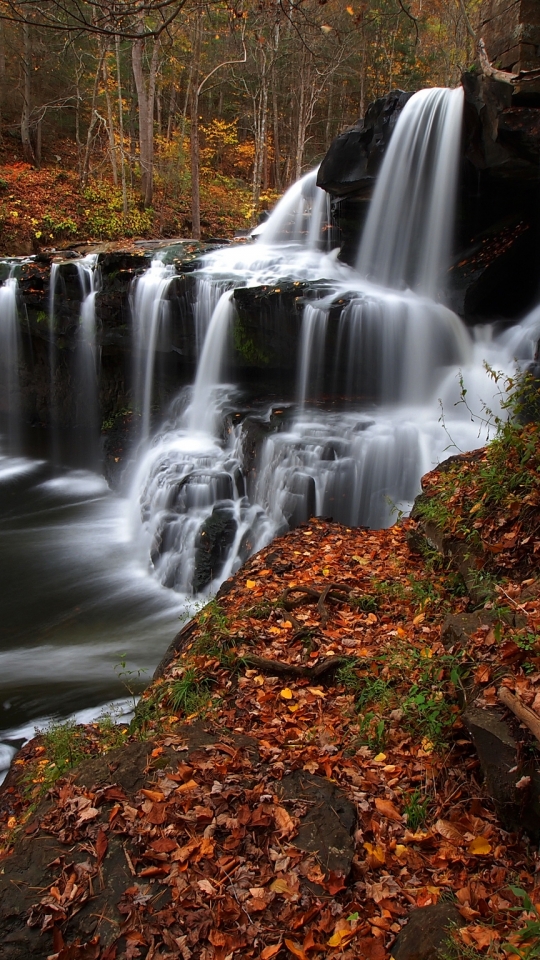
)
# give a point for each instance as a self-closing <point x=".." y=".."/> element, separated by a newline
<point x="299" y="776"/>
<point x="48" y="207"/>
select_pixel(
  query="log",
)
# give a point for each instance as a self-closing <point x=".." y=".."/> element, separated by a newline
<point x="520" y="710"/>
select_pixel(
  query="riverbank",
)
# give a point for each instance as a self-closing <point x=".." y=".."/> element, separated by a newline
<point x="327" y="747"/>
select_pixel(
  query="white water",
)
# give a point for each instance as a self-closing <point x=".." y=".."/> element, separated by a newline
<point x="301" y="217"/>
<point x="87" y="365"/>
<point x="408" y="233"/>
<point x="9" y="361"/>
<point x="150" y="311"/>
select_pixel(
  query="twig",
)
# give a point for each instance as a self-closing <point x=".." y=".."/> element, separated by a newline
<point x="511" y="599"/>
<point x="520" y="710"/>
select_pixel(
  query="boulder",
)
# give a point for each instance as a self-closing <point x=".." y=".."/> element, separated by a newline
<point x="512" y="783"/>
<point x="327" y="825"/>
<point x="214" y="541"/>
<point x="426" y="932"/>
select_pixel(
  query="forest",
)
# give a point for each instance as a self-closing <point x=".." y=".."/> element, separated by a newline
<point x="180" y="117"/>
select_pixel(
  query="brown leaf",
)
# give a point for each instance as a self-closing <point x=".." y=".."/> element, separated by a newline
<point x="387" y="809"/>
<point x="101" y="845"/>
<point x="163" y="845"/>
<point x="284" y="822"/>
<point x="449" y="831"/>
<point x="157" y="813"/>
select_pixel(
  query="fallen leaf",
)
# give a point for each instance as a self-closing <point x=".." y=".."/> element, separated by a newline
<point x="271" y="951"/>
<point x="479" y="847"/>
<point x="286" y="693"/>
<point x="296" y="950"/>
<point x="388" y="810"/>
<point x="449" y="831"/>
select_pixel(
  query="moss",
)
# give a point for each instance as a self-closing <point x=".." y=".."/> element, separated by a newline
<point x="245" y="345"/>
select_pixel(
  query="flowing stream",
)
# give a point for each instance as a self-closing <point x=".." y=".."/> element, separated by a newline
<point x="92" y="577"/>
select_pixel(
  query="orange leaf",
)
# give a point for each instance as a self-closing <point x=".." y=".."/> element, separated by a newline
<point x="156" y="795"/>
<point x="270" y="951"/>
<point x="387" y="808"/>
<point x="296" y="949"/>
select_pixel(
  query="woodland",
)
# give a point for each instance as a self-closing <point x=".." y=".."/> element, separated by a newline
<point x="176" y="117"/>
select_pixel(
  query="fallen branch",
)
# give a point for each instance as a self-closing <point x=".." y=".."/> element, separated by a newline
<point x="276" y="668"/>
<point x="490" y="71"/>
<point x="520" y="710"/>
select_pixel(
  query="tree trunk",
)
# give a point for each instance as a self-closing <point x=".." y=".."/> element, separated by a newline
<point x="110" y="119"/>
<point x="121" y="126"/>
<point x="194" y="133"/>
<point x="2" y="74"/>
<point x="172" y="112"/>
<point x="93" y="117"/>
<point x="28" y="152"/>
<point x="146" y="91"/>
<point x="276" y="137"/>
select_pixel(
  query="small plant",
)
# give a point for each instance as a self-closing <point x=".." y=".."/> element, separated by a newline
<point x="347" y="676"/>
<point x="191" y="693"/>
<point x="63" y="748"/>
<point x="416" y="810"/>
<point x="526" y="941"/>
<point x="367" y="603"/>
<point x="130" y="679"/>
<point x="372" y="729"/>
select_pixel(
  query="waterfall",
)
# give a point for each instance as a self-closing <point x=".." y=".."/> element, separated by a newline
<point x="376" y="345"/>
<point x="311" y="351"/>
<point x="9" y="362"/>
<point x="53" y="399"/>
<point x="150" y="311"/>
<point x="407" y="237"/>
<point x="87" y="363"/>
<point x="301" y="217"/>
<point x="202" y="413"/>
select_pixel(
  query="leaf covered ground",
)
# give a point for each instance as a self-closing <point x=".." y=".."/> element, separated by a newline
<point x="328" y="655"/>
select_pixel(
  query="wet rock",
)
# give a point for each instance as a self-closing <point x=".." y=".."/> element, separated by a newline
<point x="300" y="501"/>
<point x="327" y="825"/>
<point x="503" y="769"/>
<point x="214" y="541"/>
<point x="354" y="157"/>
<point x="427" y="929"/>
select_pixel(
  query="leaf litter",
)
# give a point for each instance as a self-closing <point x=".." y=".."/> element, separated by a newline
<point x="209" y="841"/>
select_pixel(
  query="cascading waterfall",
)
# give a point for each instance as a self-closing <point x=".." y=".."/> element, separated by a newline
<point x="407" y="237"/>
<point x="150" y="311"/>
<point x="390" y="346"/>
<point x="201" y="414"/>
<point x="53" y="404"/>
<point x="311" y="352"/>
<point x="301" y="217"/>
<point x="87" y="364"/>
<point x="9" y="362"/>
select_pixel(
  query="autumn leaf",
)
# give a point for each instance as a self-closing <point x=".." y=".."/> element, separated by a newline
<point x="449" y="831"/>
<point x="101" y="845"/>
<point x="271" y="951"/>
<point x="296" y="950"/>
<point x="286" y="693"/>
<point x="479" y="847"/>
<point x="387" y="809"/>
<point x="284" y="822"/>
